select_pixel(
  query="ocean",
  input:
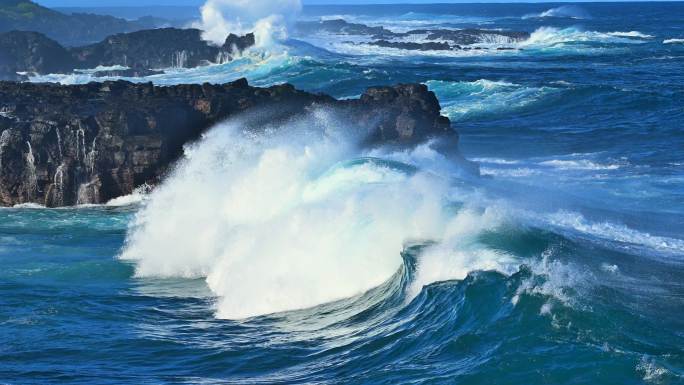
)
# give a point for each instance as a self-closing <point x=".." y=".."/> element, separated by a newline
<point x="297" y="256"/>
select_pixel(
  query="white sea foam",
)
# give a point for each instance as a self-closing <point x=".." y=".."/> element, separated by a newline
<point x="579" y="164"/>
<point x="521" y="172"/>
<point x="102" y="68"/>
<point x="136" y="197"/>
<point x="459" y="253"/>
<point x="495" y="160"/>
<point x="673" y="41"/>
<point x="279" y="221"/>
<point x="636" y="34"/>
<point x="551" y="36"/>
<point x="268" y="19"/>
<point x="615" y="232"/>
<point x="559" y="281"/>
<point x="566" y="11"/>
<point x="28" y="206"/>
<point x="653" y="373"/>
<point x="560" y="40"/>
<point x="610" y="268"/>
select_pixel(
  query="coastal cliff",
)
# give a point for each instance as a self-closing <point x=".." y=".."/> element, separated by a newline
<point x="64" y="145"/>
<point x="141" y="51"/>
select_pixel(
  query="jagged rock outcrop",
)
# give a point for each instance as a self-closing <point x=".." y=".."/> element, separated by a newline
<point x="141" y="51"/>
<point x="404" y="114"/>
<point x="429" y="46"/>
<point x="65" y="145"/>
<point x="32" y="52"/>
<point x="236" y="44"/>
<point x="160" y="48"/>
<point x="471" y="35"/>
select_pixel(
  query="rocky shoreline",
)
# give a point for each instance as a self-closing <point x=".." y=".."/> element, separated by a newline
<point x="434" y="39"/>
<point x="63" y="145"/>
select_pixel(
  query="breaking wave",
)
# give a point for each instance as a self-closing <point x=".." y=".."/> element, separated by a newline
<point x="296" y="216"/>
<point x="268" y="19"/>
<point x="551" y="36"/>
<point x="462" y="100"/>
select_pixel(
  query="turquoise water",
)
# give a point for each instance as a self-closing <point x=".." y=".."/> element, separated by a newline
<point x="562" y="264"/>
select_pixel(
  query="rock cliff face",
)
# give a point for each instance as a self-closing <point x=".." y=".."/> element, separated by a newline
<point x="65" y="145"/>
<point x="141" y="51"/>
<point x="32" y="52"/>
<point x="159" y="48"/>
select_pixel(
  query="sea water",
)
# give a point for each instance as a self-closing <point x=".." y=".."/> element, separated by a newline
<point x="298" y="256"/>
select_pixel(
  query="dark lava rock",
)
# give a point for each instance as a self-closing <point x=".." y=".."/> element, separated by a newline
<point x="429" y="46"/>
<point x="403" y="114"/>
<point x="33" y="52"/>
<point x="151" y="49"/>
<point x="22" y="51"/>
<point x="237" y="44"/>
<point x="75" y="144"/>
<point x="471" y="35"/>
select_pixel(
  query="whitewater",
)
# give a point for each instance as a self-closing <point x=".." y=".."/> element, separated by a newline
<point x="294" y="252"/>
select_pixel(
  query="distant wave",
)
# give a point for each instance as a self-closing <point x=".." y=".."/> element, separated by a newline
<point x="636" y="34"/>
<point x="565" y="11"/>
<point x="495" y="160"/>
<point x="521" y="172"/>
<point x="614" y="232"/>
<point x="465" y="99"/>
<point x="549" y="167"/>
<point x="549" y="36"/>
<point x="673" y="41"/>
<point x="581" y="164"/>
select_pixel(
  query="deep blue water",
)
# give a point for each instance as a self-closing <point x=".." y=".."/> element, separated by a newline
<point x="562" y="264"/>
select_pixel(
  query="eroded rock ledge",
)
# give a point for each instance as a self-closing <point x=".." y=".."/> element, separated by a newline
<point x="65" y="145"/>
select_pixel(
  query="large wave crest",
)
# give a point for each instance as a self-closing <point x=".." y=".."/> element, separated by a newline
<point x="294" y="216"/>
